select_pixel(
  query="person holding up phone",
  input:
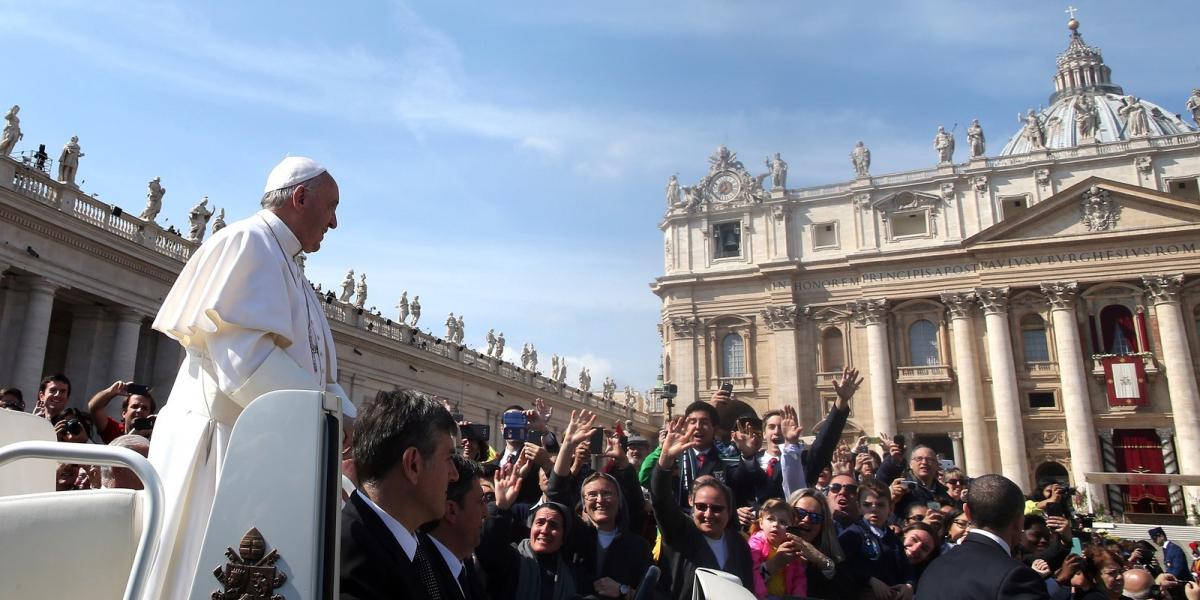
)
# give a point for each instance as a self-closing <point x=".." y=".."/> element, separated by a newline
<point x="137" y="411"/>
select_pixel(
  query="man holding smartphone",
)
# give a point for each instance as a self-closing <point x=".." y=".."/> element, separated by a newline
<point x="137" y="411"/>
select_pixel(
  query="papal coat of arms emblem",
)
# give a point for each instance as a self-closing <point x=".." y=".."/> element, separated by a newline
<point x="252" y="575"/>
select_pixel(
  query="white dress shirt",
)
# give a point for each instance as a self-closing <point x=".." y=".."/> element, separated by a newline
<point x="452" y="562"/>
<point x="407" y="541"/>
<point x="994" y="538"/>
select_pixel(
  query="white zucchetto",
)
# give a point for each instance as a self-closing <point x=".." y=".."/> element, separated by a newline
<point x="292" y="170"/>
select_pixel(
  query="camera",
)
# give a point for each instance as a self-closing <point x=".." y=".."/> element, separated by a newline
<point x="476" y="431"/>
<point x="596" y="441"/>
<point x="727" y="387"/>
<point x="73" y="427"/>
<point x="669" y="391"/>
<point x="137" y="389"/>
<point x="141" y="424"/>
<point x="516" y="426"/>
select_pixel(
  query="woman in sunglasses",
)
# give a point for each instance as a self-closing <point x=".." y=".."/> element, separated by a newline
<point x="817" y="534"/>
<point x="705" y="539"/>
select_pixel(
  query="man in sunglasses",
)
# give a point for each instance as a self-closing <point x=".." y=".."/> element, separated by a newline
<point x="843" y="500"/>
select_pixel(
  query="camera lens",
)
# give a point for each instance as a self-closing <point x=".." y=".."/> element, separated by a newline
<point x="74" y="427"/>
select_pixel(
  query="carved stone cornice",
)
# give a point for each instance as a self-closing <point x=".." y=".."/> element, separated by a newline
<point x="828" y="315"/>
<point x="959" y="304"/>
<point x="870" y="311"/>
<point x="1060" y="294"/>
<point x="781" y="317"/>
<point x="1163" y="288"/>
<point x="994" y="300"/>
<point x="684" y="327"/>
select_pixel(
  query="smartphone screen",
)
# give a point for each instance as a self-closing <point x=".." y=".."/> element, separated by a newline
<point x="596" y="441"/>
<point x="1076" y="547"/>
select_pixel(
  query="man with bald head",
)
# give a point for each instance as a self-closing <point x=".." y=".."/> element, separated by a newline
<point x="251" y="324"/>
<point x="1137" y="584"/>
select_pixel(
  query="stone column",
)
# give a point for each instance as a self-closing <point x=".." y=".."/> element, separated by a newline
<point x="684" y="359"/>
<point x="956" y="443"/>
<point x="82" y="352"/>
<point x="785" y="387"/>
<point x="1163" y="291"/>
<point x="1014" y="463"/>
<point x="976" y="457"/>
<point x="1171" y="466"/>
<point x="872" y="314"/>
<point x="1116" y="503"/>
<point x="27" y="369"/>
<point x="1077" y="405"/>
<point x="125" y="345"/>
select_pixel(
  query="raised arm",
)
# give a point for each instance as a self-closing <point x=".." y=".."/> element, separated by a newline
<point x="671" y="520"/>
<point x="826" y="441"/>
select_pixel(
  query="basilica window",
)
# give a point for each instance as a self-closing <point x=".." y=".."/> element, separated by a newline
<point x="1011" y="206"/>
<point x="923" y="344"/>
<point x="1116" y="330"/>
<point x="825" y="235"/>
<point x="727" y="239"/>
<point x="1033" y="339"/>
<point x="733" y="356"/>
<point x="1184" y="188"/>
<point x="910" y="223"/>
<point x="833" y="352"/>
<point x="1042" y="400"/>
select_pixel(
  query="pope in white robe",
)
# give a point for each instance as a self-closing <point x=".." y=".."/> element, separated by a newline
<point x="250" y="323"/>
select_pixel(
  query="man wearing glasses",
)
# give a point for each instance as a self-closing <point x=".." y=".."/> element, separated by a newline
<point x="918" y="484"/>
<point x="843" y="500"/>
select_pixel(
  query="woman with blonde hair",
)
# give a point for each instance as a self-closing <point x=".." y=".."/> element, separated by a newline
<point x="816" y="532"/>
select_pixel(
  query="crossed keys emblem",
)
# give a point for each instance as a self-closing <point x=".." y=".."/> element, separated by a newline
<point x="252" y="575"/>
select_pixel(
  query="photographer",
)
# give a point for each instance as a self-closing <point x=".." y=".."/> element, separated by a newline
<point x="137" y="411"/>
<point x="72" y="426"/>
<point x="12" y="399"/>
<point x="918" y="484"/>
<point x="526" y="432"/>
<point x="53" y="395"/>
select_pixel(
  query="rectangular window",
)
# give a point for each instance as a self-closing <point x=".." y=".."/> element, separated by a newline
<point x="927" y="405"/>
<point x="1184" y="188"/>
<point x="1011" y="206"/>
<point x="909" y="223"/>
<point x="825" y="235"/>
<point x="1042" y="400"/>
<point x="1034" y="343"/>
<point x="727" y="239"/>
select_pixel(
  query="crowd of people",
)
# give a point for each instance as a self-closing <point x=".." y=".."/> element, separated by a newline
<point x="431" y="509"/>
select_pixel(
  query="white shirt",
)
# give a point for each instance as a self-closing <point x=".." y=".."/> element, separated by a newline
<point x="452" y="562"/>
<point x="407" y="541"/>
<point x="719" y="550"/>
<point x="994" y="538"/>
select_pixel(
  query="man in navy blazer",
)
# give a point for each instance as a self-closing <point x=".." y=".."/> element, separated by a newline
<point x="1176" y="561"/>
<point x="982" y="567"/>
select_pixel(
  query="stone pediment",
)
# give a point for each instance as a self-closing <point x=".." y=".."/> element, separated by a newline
<point x="1093" y="206"/>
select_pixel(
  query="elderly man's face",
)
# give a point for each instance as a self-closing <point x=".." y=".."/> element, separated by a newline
<point x="924" y="463"/>
<point x="318" y="211"/>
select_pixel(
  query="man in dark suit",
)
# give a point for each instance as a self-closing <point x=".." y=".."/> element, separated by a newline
<point x="982" y="566"/>
<point x="1175" y="561"/>
<point x="404" y="456"/>
<point x="453" y="539"/>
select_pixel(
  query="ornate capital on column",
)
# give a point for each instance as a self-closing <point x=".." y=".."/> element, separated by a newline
<point x="994" y="300"/>
<point x="1060" y="294"/>
<point x="1163" y="288"/>
<point x="124" y="314"/>
<point x="960" y="304"/>
<point x="684" y="327"/>
<point x="870" y="311"/>
<point x="955" y="436"/>
<point x="781" y="317"/>
<point x="41" y="285"/>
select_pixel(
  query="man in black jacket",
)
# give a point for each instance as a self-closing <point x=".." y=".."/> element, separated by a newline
<point x="982" y="566"/>
<point x="404" y="455"/>
<point x="453" y="539"/>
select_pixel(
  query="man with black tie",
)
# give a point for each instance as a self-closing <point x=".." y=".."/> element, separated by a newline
<point x="982" y="566"/>
<point x="453" y="539"/>
<point x="404" y="455"/>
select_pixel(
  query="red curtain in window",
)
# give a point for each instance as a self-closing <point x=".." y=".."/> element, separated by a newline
<point x="1140" y="451"/>
<point x="1113" y="317"/>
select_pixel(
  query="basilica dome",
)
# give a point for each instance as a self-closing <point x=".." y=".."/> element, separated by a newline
<point x="1088" y="108"/>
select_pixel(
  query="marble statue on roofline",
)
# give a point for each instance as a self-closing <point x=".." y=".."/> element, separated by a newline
<point x="491" y="342"/>
<point x="672" y="191"/>
<point x="1137" y="122"/>
<point x="198" y="218"/>
<point x="460" y="329"/>
<point x="1087" y="120"/>
<point x="500" y="345"/>
<point x="525" y="355"/>
<point x="562" y="370"/>
<point x="347" y="287"/>
<point x="943" y="142"/>
<point x="416" y="310"/>
<point x="402" y="306"/>
<point x="585" y="380"/>
<point x="976" y="140"/>
<point x="533" y="358"/>
<point x="154" y="195"/>
<point x="301" y="258"/>
<point x="360" y="298"/>
<point x="451" y="327"/>
<point x="1193" y="105"/>
<point x="554" y="367"/>
<point x="1032" y="130"/>
<point x="607" y="390"/>
<point x="68" y="164"/>
<point x="778" y="172"/>
<point x="219" y="224"/>
<point x="861" y="157"/>
<point x="12" y="131"/>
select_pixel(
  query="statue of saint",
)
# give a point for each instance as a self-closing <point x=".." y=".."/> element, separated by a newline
<point x="1032" y="130"/>
<point x="1137" y="123"/>
<point x="672" y="191"/>
<point x="360" y="292"/>
<point x="525" y="355"/>
<point x="459" y="331"/>
<point x="975" y="137"/>
<point x="219" y="224"/>
<point x="402" y="305"/>
<point x="198" y="217"/>
<point x="554" y="368"/>
<point x="68" y="164"/>
<point x="1086" y="119"/>
<point x="778" y="172"/>
<point x="12" y="131"/>
<point x="451" y="326"/>
<point x="500" y="345"/>
<point x="1193" y="105"/>
<point x="944" y="144"/>
<point x="533" y="358"/>
<point x="347" y="286"/>
<point x="154" y="196"/>
<point x="861" y="157"/>
<point x="562" y="370"/>
<point x="491" y="342"/>
<point x="585" y="380"/>
<point x="416" y="310"/>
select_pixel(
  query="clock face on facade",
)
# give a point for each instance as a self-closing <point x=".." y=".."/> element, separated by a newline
<point x="725" y="186"/>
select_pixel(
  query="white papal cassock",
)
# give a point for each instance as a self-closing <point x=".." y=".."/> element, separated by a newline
<point x="250" y="323"/>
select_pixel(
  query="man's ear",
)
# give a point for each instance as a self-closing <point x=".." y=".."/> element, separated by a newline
<point x="411" y="464"/>
<point x="299" y="195"/>
<point x="451" y="514"/>
<point x="967" y="512"/>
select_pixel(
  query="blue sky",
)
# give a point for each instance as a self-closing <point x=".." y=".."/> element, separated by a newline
<point x="506" y="160"/>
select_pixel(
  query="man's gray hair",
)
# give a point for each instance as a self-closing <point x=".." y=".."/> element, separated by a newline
<point x="137" y="443"/>
<point x="277" y="198"/>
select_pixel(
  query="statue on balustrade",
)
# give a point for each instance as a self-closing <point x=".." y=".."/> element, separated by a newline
<point x="861" y="157"/>
<point x="554" y="367"/>
<point x="975" y="138"/>
<point x="1032" y="130"/>
<point x="68" y="161"/>
<point x="1086" y="119"/>
<point x="1137" y="123"/>
<point x="300" y="259"/>
<point x="628" y="395"/>
<point x="416" y="310"/>
<point x="1193" y="105"/>
<point x="944" y="144"/>
<point x="198" y="217"/>
<point x="460" y="331"/>
<point x="672" y="191"/>
<point x="525" y="355"/>
<point x="154" y="196"/>
<point x="491" y="342"/>
<point x="562" y="370"/>
<point x="451" y="328"/>
<point x="778" y="172"/>
<point x="533" y="359"/>
<point x="347" y="287"/>
<point x="608" y="389"/>
<point x="360" y="299"/>
<point x="402" y="305"/>
<point x="12" y="131"/>
<point x="585" y="380"/>
<point x="500" y="345"/>
<point x="219" y="221"/>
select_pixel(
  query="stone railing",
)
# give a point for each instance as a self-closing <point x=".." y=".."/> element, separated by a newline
<point x="1042" y="369"/>
<point x="825" y="379"/>
<point x="923" y="375"/>
<point x="403" y="336"/>
<point x="36" y="185"/>
<point x="1148" y="363"/>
